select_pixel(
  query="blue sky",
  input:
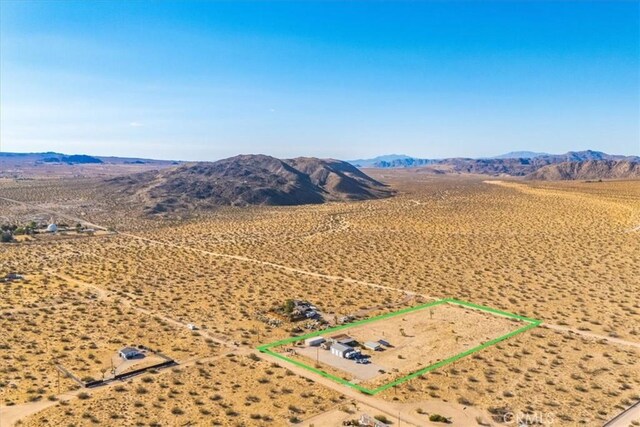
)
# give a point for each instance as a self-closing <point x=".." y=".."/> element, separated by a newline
<point x="207" y="80"/>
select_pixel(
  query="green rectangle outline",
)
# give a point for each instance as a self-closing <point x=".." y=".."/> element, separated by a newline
<point x="531" y="323"/>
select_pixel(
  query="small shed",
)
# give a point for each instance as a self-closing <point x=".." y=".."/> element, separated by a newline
<point x="344" y="339"/>
<point x="314" y="341"/>
<point x="192" y="327"/>
<point x="342" y="350"/>
<point x="128" y="353"/>
<point x="384" y="343"/>
<point x="373" y="345"/>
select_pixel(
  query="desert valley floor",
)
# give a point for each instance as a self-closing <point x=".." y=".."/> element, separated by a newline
<point x="565" y="253"/>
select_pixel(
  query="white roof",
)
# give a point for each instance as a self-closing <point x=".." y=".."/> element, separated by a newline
<point x="341" y="347"/>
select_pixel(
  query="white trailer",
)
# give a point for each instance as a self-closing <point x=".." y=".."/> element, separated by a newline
<point x="314" y="341"/>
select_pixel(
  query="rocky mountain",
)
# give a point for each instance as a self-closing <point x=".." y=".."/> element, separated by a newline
<point x="388" y="158"/>
<point x="248" y="180"/>
<point x="514" y="164"/>
<point x="408" y="162"/>
<point x="588" y="170"/>
<point x="74" y="159"/>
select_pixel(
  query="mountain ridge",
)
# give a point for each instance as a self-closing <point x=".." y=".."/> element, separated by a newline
<point x="246" y="180"/>
<point x="587" y="170"/>
<point x="500" y="165"/>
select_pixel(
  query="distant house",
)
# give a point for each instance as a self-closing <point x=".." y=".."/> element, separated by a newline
<point x="314" y="341"/>
<point x="129" y="353"/>
<point x="343" y="351"/>
<point x="192" y="327"/>
<point x="372" y="345"/>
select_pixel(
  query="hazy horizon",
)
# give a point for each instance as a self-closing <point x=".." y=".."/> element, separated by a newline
<point x="103" y="155"/>
<point x="204" y="81"/>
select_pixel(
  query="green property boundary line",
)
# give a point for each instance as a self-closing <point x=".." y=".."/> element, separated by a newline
<point x="531" y="323"/>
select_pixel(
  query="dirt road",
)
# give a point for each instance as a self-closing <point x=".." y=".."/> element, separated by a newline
<point x="272" y="264"/>
<point x="10" y="415"/>
<point x="626" y="418"/>
<point x="105" y="294"/>
<point x="390" y="410"/>
<point x="587" y="334"/>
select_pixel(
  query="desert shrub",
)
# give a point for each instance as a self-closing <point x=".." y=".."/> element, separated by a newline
<point x="437" y="418"/>
<point x="382" y="419"/>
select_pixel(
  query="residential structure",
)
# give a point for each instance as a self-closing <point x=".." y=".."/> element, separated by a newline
<point x="128" y="353"/>
<point x="314" y="341"/>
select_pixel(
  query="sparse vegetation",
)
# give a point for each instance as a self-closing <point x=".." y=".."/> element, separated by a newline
<point x="554" y="251"/>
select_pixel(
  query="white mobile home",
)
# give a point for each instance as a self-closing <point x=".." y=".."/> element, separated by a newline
<point x="314" y="341"/>
<point x="129" y="353"/>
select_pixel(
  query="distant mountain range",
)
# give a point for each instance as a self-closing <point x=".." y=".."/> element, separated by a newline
<point x="520" y="155"/>
<point x="52" y="158"/>
<point x="258" y="179"/>
<point x="246" y="180"/>
<point x="519" y="163"/>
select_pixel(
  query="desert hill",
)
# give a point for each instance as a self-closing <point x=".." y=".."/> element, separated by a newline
<point x="248" y="180"/>
<point x="590" y="169"/>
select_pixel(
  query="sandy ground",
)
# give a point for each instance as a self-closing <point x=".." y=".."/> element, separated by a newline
<point x="418" y="339"/>
<point x="350" y="367"/>
<point x="460" y="416"/>
<point x="558" y="252"/>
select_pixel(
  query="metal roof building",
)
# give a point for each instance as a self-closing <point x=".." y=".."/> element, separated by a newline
<point x="341" y="350"/>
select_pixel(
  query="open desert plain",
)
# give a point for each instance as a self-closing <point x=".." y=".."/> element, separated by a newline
<point x="200" y="295"/>
<point x="319" y="213"/>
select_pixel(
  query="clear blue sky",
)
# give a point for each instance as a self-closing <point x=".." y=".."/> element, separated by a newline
<point x="204" y="80"/>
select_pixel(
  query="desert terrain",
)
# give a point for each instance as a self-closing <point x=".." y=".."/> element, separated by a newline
<point x="566" y="253"/>
<point x="415" y="340"/>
